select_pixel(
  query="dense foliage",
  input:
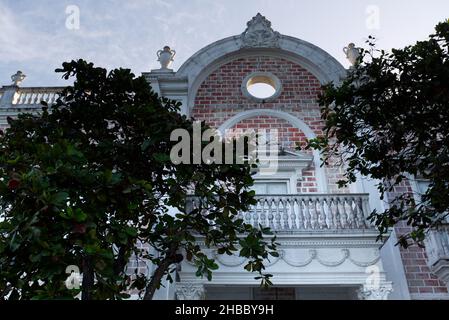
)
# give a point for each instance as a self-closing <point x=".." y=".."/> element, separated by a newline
<point x="389" y="120"/>
<point x="89" y="179"/>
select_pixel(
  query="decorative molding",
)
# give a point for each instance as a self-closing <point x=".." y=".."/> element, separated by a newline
<point x="324" y="242"/>
<point x="189" y="291"/>
<point x="334" y="263"/>
<point x="259" y="34"/>
<point x="313" y="254"/>
<point x="379" y="292"/>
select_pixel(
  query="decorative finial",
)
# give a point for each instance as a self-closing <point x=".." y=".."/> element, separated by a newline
<point x="260" y="34"/>
<point x="165" y="57"/>
<point x="18" y="77"/>
<point x="352" y="53"/>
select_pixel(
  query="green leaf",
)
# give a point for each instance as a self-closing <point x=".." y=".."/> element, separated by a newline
<point x="131" y="231"/>
<point x="161" y="157"/>
<point x="60" y="199"/>
<point x="145" y="145"/>
<point x="79" y="215"/>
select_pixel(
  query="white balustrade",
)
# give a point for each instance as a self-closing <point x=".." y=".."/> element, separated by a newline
<point x="305" y="211"/>
<point x="34" y="96"/>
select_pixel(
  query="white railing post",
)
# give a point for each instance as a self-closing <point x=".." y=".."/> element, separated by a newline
<point x="7" y="96"/>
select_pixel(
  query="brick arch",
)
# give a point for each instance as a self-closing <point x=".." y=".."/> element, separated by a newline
<point x="289" y="137"/>
<point x="294" y="129"/>
<point x="220" y="102"/>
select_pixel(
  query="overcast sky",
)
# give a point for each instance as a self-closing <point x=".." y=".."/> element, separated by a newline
<point x="36" y="36"/>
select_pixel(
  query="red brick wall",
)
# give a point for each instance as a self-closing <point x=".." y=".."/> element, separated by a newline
<point x="419" y="277"/>
<point x="289" y="137"/>
<point x="220" y="97"/>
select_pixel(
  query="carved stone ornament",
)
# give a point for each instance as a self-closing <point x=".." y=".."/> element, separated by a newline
<point x="380" y="292"/>
<point x="260" y="34"/>
<point x="18" y="77"/>
<point x="189" y="291"/>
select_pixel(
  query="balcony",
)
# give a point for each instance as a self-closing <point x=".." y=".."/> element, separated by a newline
<point x="324" y="240"/>
<point x="298" y="213"/>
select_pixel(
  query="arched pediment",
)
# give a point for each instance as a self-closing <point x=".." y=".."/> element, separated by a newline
<point x="259" y="39"/>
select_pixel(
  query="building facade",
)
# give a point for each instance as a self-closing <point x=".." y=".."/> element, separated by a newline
<point x="327" y="248"/>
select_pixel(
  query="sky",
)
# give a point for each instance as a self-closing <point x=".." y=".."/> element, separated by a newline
<point x="36" y="36"/>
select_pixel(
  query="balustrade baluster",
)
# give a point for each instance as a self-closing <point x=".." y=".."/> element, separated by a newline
<point x="46" y="97"/>
<point x="328" y="213"/>
<point x="307" y="215"/>
<point x="314" y="212"/>
<point x="30" y="98"/>
<point x="359" y="212"/>
<point x="277" y="213"/>
<point x="255" y="221"/>
<point x="295" y="204"/>
<point x="322" y="216"/>
<point x="248" y="215"/>
<point x="286" y="206"/>
<point x="366" y="212"/>
<point x="350" y="212"/>
<point x="271" y="213"/>
<point x="17" y="98"/>
<point x="50" y="98"/>
<point x="343" y="214"/>
<point x="339" y="224"/>
<point x="37" y="98"/>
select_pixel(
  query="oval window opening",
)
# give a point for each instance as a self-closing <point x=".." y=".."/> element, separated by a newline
<point x="261" y="90"/>
<point x="261" y="86"/>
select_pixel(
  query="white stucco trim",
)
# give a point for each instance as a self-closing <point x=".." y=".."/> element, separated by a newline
<point x="296" y="122"/>
<point x="317" y="61"/>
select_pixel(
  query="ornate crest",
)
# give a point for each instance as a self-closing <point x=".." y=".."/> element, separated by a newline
<point x="260" y="34"/>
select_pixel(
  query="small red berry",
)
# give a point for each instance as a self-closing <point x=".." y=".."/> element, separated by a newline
<point x="13" y="184"/>
<point x="79" y="228"/>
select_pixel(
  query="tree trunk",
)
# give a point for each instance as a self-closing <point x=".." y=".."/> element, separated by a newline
<point x="88" y="279"/>
<point x="161" y="270"/>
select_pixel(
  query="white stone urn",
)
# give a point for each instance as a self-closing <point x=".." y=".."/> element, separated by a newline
<point x="352" y="53"/>
<point x="18" y="77"/>
<point x="165" y="57"/>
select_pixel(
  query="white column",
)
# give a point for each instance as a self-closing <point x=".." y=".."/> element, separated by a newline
<point x="190" y="291"/>
<point x="379" y="292"/>
<point x="8" y="96"/>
